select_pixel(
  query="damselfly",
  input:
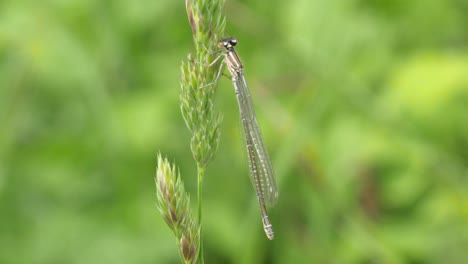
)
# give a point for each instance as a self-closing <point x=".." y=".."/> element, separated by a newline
<point x="261" y="171"/>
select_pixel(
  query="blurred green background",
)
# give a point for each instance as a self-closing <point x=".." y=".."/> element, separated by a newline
<point x="363" y="106"/>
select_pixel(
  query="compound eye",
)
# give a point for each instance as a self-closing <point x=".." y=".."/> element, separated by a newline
<point x="233" y="42"/>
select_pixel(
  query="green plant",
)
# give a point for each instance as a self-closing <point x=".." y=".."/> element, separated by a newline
<point x="174" y="205"/>
<point x="197" y="106"/>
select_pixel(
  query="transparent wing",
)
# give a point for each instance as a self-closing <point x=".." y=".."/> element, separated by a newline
<point x="261" y="175"/>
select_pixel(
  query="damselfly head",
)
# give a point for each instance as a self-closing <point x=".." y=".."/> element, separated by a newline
<point x="228" y="43"/>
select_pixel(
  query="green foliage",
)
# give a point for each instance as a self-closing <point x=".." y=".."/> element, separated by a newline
<point x="174" y="205"/>
<point x="362" y="104"/>
<point x="196" y="103"/>
<point x="198" y="81"/>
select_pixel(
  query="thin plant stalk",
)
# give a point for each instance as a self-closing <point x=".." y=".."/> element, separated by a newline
<point x="197" y="91"/>
<point x="201" y="174"/>
<point x="197" y="106"/>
